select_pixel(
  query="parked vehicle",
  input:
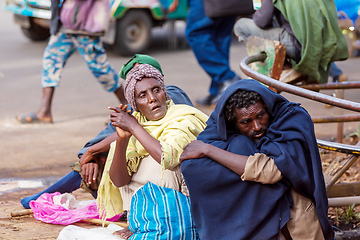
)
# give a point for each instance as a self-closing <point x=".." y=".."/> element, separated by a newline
<point x="130" y="27"/>
<point x="350" y="7"/>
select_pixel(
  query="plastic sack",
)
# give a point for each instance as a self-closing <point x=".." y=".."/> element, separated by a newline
<point x="68" y="210"/>
<point x="74" y="233"/>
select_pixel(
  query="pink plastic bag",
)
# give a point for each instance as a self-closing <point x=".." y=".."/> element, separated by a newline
<point x="46" y="211"/>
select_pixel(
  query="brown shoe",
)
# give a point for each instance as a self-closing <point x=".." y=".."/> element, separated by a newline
<point x="342" y="78"/>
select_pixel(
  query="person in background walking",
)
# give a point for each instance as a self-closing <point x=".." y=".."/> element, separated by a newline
<point x="210" y="40"/>
<point x="60" y="47"/>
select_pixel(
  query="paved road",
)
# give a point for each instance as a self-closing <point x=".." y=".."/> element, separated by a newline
<point x="80" y="104"/>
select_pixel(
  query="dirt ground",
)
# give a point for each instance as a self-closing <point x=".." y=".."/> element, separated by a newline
<point x="27" y="227"/>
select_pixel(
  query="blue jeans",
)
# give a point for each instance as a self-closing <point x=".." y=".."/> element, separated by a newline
<point x="335" y="72"/>
<point x="210" y="41"/>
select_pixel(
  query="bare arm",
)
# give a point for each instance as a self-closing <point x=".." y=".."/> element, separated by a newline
<point x="152" y="145"/>
<point x="89" y="160"/>
<point x="102" y="146"/>
<point x="126" y="125"/>
<point x="118" y="170"/>
<point x="199" y="149"/>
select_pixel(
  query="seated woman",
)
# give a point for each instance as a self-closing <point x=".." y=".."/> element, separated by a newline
<point x="94" y="152"/>
<point x="149" y="142"/>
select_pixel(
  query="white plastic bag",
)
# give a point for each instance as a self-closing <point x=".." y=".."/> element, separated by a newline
<point x="72" y="232"/>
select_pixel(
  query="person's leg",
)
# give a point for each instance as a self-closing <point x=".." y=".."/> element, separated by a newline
<point x="222" y="36"/>
<point x="67" y="184"/>
<point x="93" y="53"/>
<point x="203" y="35"/>
<point x="58" y="50"/>
<point x="337" y="75"/>
<point x="246" y="27"/>
<point x="44" y="111"/>
<point x="335" y="72"/>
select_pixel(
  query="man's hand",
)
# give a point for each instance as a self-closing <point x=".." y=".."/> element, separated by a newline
<point x="87" y="157"/>
<point x="90" y="172"/>
<point x="199" y="149"/>
<point x="195" y="149"/>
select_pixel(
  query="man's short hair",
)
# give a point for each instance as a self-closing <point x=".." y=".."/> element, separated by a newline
<point x="240" y="99"/>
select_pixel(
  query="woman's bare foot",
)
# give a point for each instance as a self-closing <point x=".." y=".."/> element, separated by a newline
<point x="124" y="233"/>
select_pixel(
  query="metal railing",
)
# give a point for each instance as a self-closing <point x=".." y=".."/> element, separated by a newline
<point x="295" y="90"/>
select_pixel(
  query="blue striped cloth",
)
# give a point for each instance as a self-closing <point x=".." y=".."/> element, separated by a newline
<point x="161" y="213"/>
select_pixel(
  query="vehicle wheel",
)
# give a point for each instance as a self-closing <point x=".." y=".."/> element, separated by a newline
<point x="36" y="32"/>
<point x="133" y="33"/>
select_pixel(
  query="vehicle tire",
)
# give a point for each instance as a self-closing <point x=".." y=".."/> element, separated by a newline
<point x="133" y="33"/>
<point x="36" y="32"/>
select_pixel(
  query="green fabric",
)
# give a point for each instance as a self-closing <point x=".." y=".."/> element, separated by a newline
<point x="142" y="59"/>
<point x="314" y="23"/>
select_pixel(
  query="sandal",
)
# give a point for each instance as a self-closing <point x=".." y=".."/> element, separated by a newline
<point x="32" y="118"/>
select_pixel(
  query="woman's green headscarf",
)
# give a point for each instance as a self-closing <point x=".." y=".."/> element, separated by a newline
<point x="142" y="59"/>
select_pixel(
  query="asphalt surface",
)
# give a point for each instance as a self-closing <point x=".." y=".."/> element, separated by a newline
<point x="80" y="104"/>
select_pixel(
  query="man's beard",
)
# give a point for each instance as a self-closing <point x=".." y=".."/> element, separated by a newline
<point x="256" y="140"/>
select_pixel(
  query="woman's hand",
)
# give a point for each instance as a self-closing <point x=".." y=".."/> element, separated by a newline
<point x="195" y="149"/>
<point x="122" y="133"/>
<point x="128" y="124"/>
<point x="122" y="120"/>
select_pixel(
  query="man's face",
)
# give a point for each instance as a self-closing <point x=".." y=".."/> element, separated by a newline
<point x="150" y="99"/>
<point x="252" y="121"/>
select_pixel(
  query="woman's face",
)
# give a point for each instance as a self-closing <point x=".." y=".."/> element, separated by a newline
<point x="150" y="99"/>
